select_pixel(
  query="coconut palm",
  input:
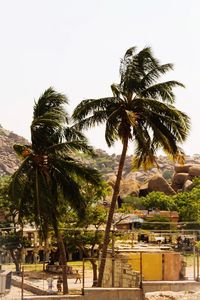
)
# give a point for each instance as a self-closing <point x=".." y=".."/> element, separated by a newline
<point x="50" y="176"/>
<point x="141" y="110"/>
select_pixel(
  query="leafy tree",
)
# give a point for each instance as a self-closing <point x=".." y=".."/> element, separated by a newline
<point x="89" y="241"/>
<point x="8" y="208"/>
<point x="13" y="241"/>
<point x="50" y="175"/>
<point x="155" y="223"/>
<point x="188" y="204"/>
<point x="131" y="203"/>
<point x="10" y="239"/>
<point x="158" y="200"/>
<point x="140" y="110"/>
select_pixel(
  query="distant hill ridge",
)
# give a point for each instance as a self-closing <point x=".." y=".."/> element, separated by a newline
<point x="105" y="163"/>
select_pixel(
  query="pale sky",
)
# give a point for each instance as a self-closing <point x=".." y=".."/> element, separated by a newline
<point x="76" y="45"/>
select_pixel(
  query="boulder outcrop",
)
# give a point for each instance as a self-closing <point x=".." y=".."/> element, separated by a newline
<point x="159" y="184"/>
<point x="182" y="168"/>
<point x="178" y="180"/>
<point x="188" y="186"/>
<point x="194" y="171"/>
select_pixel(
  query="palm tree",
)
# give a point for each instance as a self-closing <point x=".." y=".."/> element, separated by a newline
<point x="50" y="176"/>
<point x="140" y="110"/>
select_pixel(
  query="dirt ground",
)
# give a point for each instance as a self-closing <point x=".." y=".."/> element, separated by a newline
<point x="173" y="295"/>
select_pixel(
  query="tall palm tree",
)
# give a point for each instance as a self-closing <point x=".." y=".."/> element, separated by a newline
<point x="141" y="110"/>
<point x="50" y="176"/>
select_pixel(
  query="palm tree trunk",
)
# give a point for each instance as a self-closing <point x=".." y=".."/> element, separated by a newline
<point x="16" y="261"/>
<point x="111" y="212"/>
<point x="93" y="262"/>
<point x="94" y="269"/>
<point x="63" y="258"/>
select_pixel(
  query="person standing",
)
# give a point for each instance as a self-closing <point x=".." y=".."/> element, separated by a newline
<point x="78" y="277"/>
<point x="59" y="284"/>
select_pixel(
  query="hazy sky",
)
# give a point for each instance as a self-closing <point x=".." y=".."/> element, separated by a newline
<point x="76" y="45"/>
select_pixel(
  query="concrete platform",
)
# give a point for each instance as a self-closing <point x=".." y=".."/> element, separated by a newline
<point x="175" y="286"/>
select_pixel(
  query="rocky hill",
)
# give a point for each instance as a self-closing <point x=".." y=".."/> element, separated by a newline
<point x="132" y="182"/>
<point x="8" y="159"/>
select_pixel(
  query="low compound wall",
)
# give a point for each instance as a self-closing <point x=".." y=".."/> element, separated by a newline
<point x="28" y="287"/>
<point x="55" y="297"/>
<point x="175" y="286"/>
<point x="113" y="293"/>
<point x="96" y="294"/>
<point x="124" y="293"/>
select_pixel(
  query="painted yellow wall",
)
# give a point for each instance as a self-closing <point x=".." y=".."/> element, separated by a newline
<point x="151" y="265"/>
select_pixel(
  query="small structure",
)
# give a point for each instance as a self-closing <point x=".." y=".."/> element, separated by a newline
<point x="172" y="215"/>
<point x="127" y="221"/>
<point x="5" y="281"/>
<point x="133" y="265"/>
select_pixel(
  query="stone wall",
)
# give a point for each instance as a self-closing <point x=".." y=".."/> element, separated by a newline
<point x="124" y="275"/>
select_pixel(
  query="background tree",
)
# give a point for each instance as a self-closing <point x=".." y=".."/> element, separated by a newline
<point x="157" y="223"/>
<point x="50" y="175"/>
<point x="89" y="239"/>
<point x="141" y="110"/>
<point x="8" y="208"/>
<point x="11" y="239"/>
<point x="188" y="206"/>
<point x="160" y="201"/>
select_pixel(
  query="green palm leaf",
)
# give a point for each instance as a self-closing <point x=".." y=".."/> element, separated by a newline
<point x="154" y="74"/>
<point x="162" y="91"/>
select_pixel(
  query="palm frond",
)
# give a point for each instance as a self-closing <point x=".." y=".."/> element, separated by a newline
<point x="77" y="169"/>
<point x="71" y="146"/>
<point x="159" y="126"/>
<point x="176" y="121"/>
<point x="130" y="52"/>
<point x="134" y="67"/>
<point x="90" y="106"/>
<point x="49" y="118"/>
<point x="162" y="91"/>
<point x="112" y="125"/>
<point x="18" y="179"/>
<point x="154" y="74"/>
<point x="144" y="154"/>
<point x="97" y="118"/>
<point x="70" y="190"/>
<point x="71" y="134"/>
<point x="49" y="101"/>
<point x="146" y="60"/>
<point x="116" y="89"/>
